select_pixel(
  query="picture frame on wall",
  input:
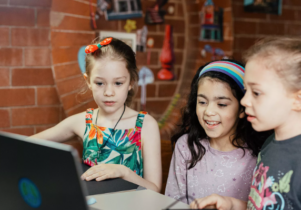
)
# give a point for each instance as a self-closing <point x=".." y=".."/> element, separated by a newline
<point x="128" y="38"/>
<point x="263" y="6"/>
<point x="123" y="9"/>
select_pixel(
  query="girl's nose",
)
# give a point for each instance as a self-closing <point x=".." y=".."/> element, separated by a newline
<point x="109" y="91"/>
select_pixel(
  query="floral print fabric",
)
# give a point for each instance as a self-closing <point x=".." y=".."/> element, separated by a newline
<point x="103" y="145"/>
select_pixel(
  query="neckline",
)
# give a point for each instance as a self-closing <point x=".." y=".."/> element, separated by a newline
<point x="224" y="152"/>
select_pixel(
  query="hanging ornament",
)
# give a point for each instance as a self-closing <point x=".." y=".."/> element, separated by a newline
<point x="155" y="14"/>
<point x="146" y="76"/>
<point x="167" y="56"/>
<point x="130" y="25"/>
<point x="141" y="38"/>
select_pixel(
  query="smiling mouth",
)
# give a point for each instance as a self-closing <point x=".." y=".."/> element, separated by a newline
<point x="212" y="123"/>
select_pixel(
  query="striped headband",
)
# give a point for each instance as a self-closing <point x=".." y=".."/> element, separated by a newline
<point x="233" y="70"/>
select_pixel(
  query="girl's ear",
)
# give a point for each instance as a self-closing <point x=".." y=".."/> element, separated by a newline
<point x="242" y="113"/>
<point x="87" y="80"/>
<point x="297" y="101"/>
<point x="130" y="86"/>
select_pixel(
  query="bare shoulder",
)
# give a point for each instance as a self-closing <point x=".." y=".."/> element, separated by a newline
<point x="77" y="122"/>
<point x="150" y="129"/>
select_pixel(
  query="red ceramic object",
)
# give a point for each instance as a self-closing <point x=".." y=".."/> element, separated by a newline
<point x="167" y="56"/>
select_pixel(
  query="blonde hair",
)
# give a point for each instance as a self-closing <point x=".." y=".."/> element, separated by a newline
<point x="116" y="50"/>
<point x="286" y="55"/>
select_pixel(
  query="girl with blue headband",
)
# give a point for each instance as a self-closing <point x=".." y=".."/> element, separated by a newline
<point x="216" y="147"/>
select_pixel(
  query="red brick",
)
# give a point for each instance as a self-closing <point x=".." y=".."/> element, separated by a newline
<point x="158" y="40"/>
<point x="141" y="58"/>
<point x="60" y="39"/>
<point x="10" y="16"/>
<point x="4" y="77"/>
<point x="21" y="131"/>
<point x="292" y="3"/>
<point x="30" y="77"/>
<point x="70" y="85"/>
<point x="244" y="27"/>
<point x="271" y="28"/>
<point x="193" y="18"/>
<point x="72" y="7"/>
<point x="293" y="29"/>
<point x="238" y="12"/>
<point x="75" y="23"/>
<point x="227" y="16"/>
<point x="167" y="90"/>
<point x="37" y="57"/>
<point x="62" y="55"/>
<point x="74" y="99"/>
<point x="178" y="26"/>
<point x="17" y="97"/>
<point x="150" y="91"/>
<point x="194" y="7"/>
<point x="43" y="16"/>
<point x="35" y="116"/>
<point x="47" y="96"/>
<point x="178" y="58"/>
<point x="244" y="43"/>
<point x="82" y="108"/>
<point x="287" y="14"/>
<point x="4" y="36"/>
<point x="157" y="107"/>
<point x="5" y="121"/>
<point x="180" y="42"/>
<point x="11" y="57"/>
<point x="103" y="24"/>
<point x="30" y="37"/>
<point x="38" y="3"/>
<point x="67" y="70"/>
<point x="194" y="31"/>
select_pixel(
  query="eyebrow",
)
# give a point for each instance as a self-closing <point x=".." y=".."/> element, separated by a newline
<point x="251" y="83"/>
<point x="215" y="98"/>
<point x="114" y="78"/>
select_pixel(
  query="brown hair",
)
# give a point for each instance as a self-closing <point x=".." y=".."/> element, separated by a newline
<point x="116" y="50"/>
<point x="286" y="54"/>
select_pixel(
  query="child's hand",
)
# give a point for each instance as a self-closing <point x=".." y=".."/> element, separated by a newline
<point x="213" y="201"/>
<point x="104" y="171"/>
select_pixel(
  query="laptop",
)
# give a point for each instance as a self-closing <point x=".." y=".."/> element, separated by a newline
<point x="39" y="174"/>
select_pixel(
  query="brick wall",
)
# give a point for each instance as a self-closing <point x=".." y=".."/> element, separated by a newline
<point x="28" y="98"/>
<point x="249" y="27"/>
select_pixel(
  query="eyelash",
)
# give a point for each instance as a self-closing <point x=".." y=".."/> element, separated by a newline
<point x="221" y="105"/>
<point x="256" y="94"/>
<point x="116" y="83"/>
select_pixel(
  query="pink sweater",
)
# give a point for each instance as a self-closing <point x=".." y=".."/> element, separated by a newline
<point x="223" y="173"/>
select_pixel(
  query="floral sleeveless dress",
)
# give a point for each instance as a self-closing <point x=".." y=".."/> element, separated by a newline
<point x="103" y="145"/>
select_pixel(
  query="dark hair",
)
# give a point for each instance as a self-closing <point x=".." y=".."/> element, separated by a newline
<point x="117" y="50"/>
<point x="190" y="124"/>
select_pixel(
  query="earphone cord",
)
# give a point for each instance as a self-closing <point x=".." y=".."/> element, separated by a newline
<point x="114" y="126"/>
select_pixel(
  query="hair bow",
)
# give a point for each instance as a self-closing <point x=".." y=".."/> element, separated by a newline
<point x="93" y="48"/>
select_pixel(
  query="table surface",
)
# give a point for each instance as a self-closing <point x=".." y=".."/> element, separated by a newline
<point x="135" y="200"/>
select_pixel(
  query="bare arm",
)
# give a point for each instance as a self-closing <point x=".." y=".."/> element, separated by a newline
<point x="151" y="152"/>
<point x="68" y="128"/>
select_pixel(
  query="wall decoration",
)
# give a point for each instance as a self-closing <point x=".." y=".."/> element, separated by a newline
<point x="81" y="55"/>
<point x="130" y="25"/>
<point x="174" y="101"/>
<point x="211" y="22"/>
<point x="216" y="53"/>
<point x="92" y="15"/>
<point x="167" y="56"/>
<point x="155" y="14"/>
<point x="102" y="6"/>
<point x="123" y="9"/>
<point x="128" y="38"/>
<point x="141" y="39"/>
<point x="146" y="76"/>
<point x="263" y="6"/>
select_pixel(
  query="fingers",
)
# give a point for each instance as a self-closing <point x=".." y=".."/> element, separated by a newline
<point x="207" y="202"/>
<point x="91" y="171"/>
